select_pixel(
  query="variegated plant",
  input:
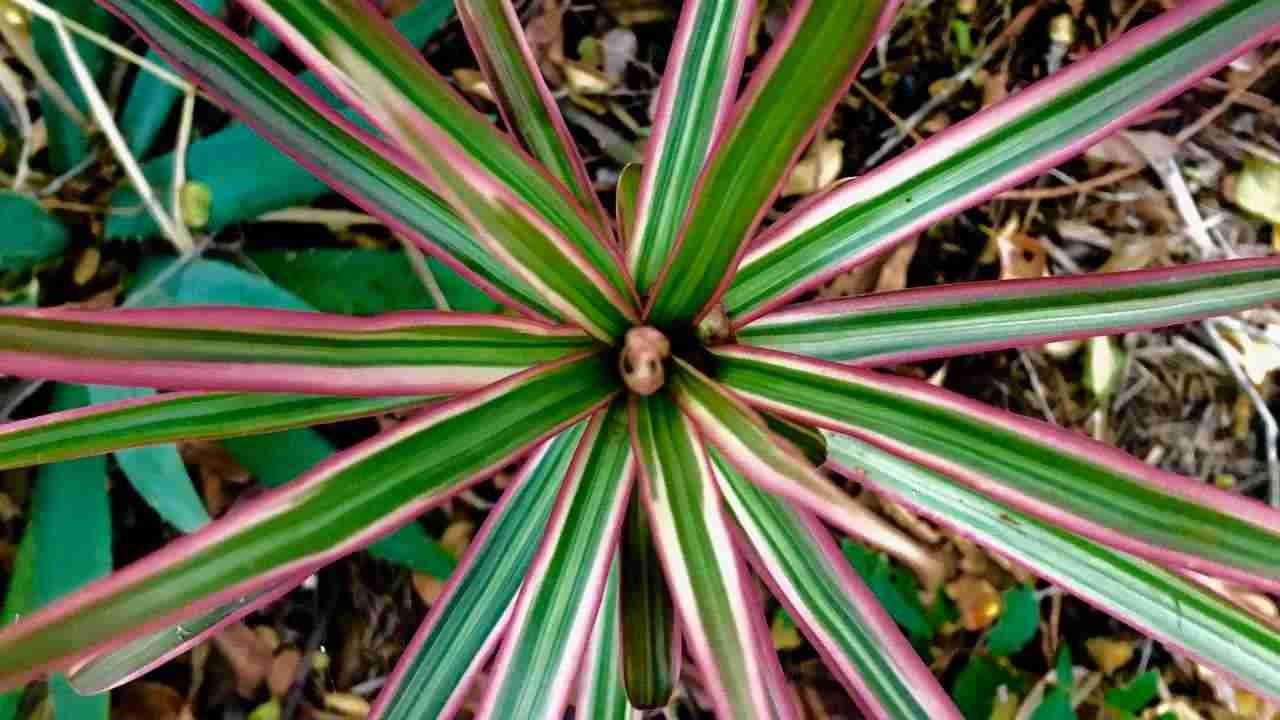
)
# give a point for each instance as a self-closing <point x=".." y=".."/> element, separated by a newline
<point x="675" y="409"/>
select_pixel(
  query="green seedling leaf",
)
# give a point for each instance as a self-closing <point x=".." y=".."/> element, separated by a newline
<point x="1063" y="668"/>
<point x="1018" y="624"/>
<point x="31" y="235"/>
<point x="899" y="592"/>
<point x="976" y="687"/>
<point x="372" y="281"/>
<point x="1055" y="706"/>
<point x="1135" y="696"/>
<point x="71" y="528"/>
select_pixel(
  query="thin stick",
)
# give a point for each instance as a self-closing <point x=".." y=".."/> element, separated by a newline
<point x="102" y="115"/>
<point x="24" y="52"/>
<point x="1074" y="188"/>
<point x="1230" y="99"/>
<point x="12" y="86"/>
<point x="180" y="161"/>
<point x="1271" y="431"/>
<point x="893" y="116"/>
<point x="50" y="15"/>
<point x="423" y="271"/>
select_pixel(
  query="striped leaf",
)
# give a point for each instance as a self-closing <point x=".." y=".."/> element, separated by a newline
<point x="467" y="621"/>
<point x="540" y="660"/>
<point x="134" y="659"/>
<point x="526" y="104"/>
<point x="1004" y="145"/>
<point x="17" y="598"/>
<point x="171" y="417"/>
<point x="779" y="110"/>
<point x="704" y="69"/>
<point x="775" y="464"/>
<point x="600" y="691"/>
<point x="708" y="580"/>
<point x="897" y="327"/>
<point x="337" y="507"/>
<point x="221" y="348"/>
<point x="835" y="609"/>
<point x="1182" y="614"/>
<point x="1050" y="473"/>
<point x="650" y="641"/>
<point x="357" y="52"/>
<point x="302" y="125"/>
<point x="625" y="195"/>
<point x="532" y="248"/>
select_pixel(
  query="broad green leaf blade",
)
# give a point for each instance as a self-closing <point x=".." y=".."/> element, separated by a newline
<point x="171" y="417"/>
<point x="17" y="599"/>
<point x="136" y="658"/>
<point x="152" y="98"/>
<point x="1180" y="613"/>
<point x="600" y="689"/>
<point x="31" y="235"/>
<point x="891" y="328"/>
<point x="301" y="124"/>
<point x="68" y="139"/>
<point x="578" y="287"/>
<point x="1018" y="622"/>
<point x="785" y="101"/>
<point x="836" y="610"/>
<point x="534" y="673"/>
<point x="466" y="622"/>
<point x="650" y="641"/>
<point x="366" y="282"/>
<point x="708" y="580"/>
<point x="157" y="473"/>
<point x="698" y="89"/>
<point x="359" y="55"/>
<point x="1053" y="474"/>
<point x="224" y="348"/>
<point x="71" y="524"/>
<point x="528" y="109"/>
<point x="998" y="148"/>
<point x="353" y="498"/>
<point x="775" y="464"/>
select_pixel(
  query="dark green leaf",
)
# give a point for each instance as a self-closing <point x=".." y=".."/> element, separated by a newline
<point x="1017" y="624"/>
<point x="977" y="685"/>
<point x="1055" y="706"/>
<point x="366" y="282"/>
<point x="897" y="590"/>
<point x="30" y="236"/>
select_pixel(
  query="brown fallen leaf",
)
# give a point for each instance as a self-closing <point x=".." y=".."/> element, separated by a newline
<point x="248" y="656"/>
<point x="977" y="600"/>
<point x="284" y="668"/>
<point x="144" y="700"/>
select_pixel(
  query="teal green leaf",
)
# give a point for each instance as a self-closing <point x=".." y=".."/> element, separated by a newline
<point x="31" y="234"/>
<point x="71" y="524"/>
<point x="17" y="598"/>
<point x="1017" y="624"/>
<point x="158" y="472"/>
<point x="68" y="143"/>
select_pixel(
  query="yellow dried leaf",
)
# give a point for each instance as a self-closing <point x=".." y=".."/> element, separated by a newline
<point x="1257" y="189"/>
<point x="785" y="635"/>
<point x="1109" y="654"/>
<point x="473" y="83"/>
<point x="819" y="167"/>
<point x="87" y="265"/>
<point x="347" y="704"/>
<point x="585" y="80"/>
<point x="977" y="600"/>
